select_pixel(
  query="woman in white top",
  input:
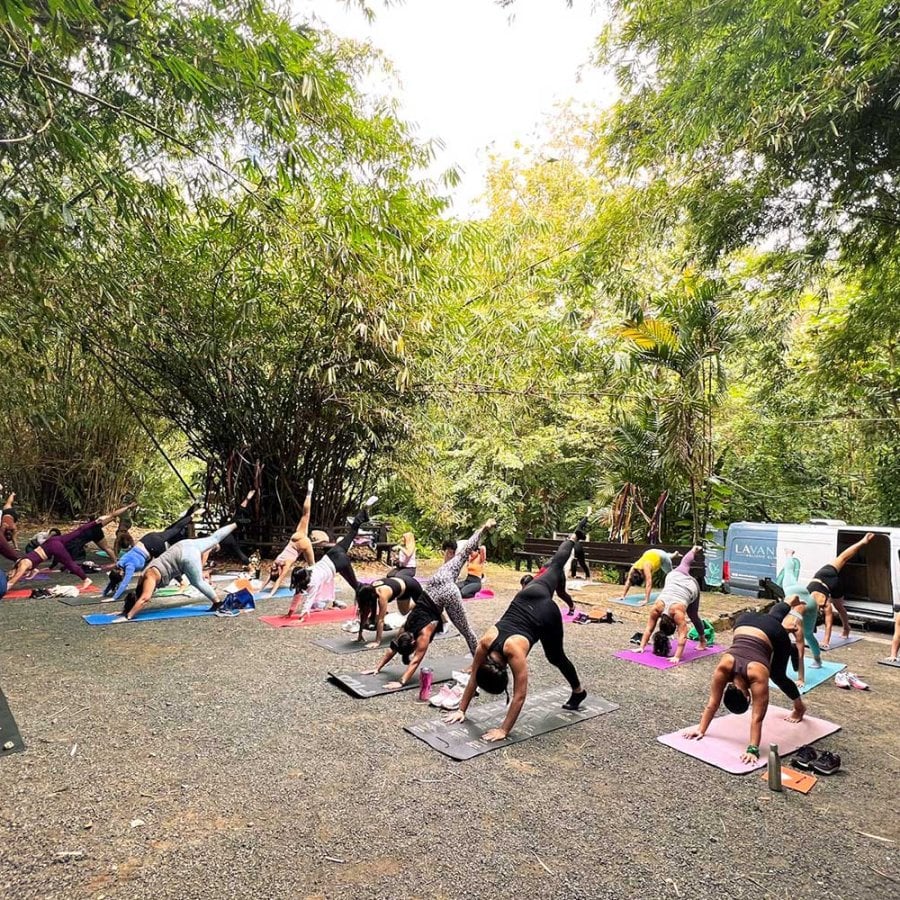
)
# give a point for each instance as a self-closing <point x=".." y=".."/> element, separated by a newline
<point x="406" y="557"/>
<point x="678" y="602"/>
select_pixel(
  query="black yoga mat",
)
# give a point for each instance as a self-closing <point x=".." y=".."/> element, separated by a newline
<point x="9" y="731"/>
<point x="887" y="662"/>
<point x="365" y="686"/>
<point x="541" y="714"/>
<point x="346" y="643"/>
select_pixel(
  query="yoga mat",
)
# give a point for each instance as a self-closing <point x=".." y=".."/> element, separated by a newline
<point x="541" y="714"/>
<point x="814" y="677"/>
<point x="649" y="658"/>
<point x="887" y="662"/>
<point x="483" y="594"/>
<point x="365" y="686"/>
<point x="634" y="599"/>
<point x="345" y="643"/>
<point x="837" y="639"/>
<point x="281" y="592"/>
<point x="316" y="617"/>
<point x="18" y="594"/>
<point x="84" y="600"/>
<point x="151" y="615"/>
<point x="9" y="731"/>
<point x="728" y="736"/>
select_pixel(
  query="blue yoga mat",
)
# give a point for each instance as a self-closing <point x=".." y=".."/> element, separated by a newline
<point x="634" y="599"/>
<point x="193" y="611"/>
<point x="814" y="677"/>
<point x="174" y="612"/>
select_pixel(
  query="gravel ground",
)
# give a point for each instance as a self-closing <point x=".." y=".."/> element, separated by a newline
<point x="209" y="758"/>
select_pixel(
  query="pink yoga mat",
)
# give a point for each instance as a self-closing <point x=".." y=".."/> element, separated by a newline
<point x="728" y="736"/>
<point x="483" y="594"/>
<point x="317" y="617"/>
<point x="649" y="658"/>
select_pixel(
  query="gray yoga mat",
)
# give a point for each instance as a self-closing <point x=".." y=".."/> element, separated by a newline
<point x="541" y="714"/>
<point x="365" y="686"/>
<point x="83" y="600"/>
<point x="9" y="731"/>
<point x="346" y="643"/>
<point x="887" y="662"/>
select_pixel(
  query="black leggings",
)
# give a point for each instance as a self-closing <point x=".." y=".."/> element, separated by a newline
<point x="552" y="644"/>
<point x="402" y="570"/>
<point x="155" y="543"/>
<point x="469" y="587"/>
<point x="555" y="575"/>
<point x="338" y="553"/>
<point x="579" y="559"/>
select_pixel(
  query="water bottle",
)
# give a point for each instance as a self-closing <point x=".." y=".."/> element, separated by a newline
<point x="426" y="678"/>
<point x="774" y="768"/>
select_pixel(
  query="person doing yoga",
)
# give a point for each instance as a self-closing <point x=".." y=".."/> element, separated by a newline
<point x="9" y="519"/>
<point x="827" y="589"/>
<point x="186" y="558"/>
<point x="578" y="557"/>
<point x="315" y="585"/>
<point x="372" y="601"/>
<point x="9" y="526"/>
<point x="806" y="611"/>
<point x="299" y="545"/>
<point x="471" y="584"/>
<point x="678" y="602"/>
<point x="442" y="588"/>
<point x="531" y="617"/>
<point x="760" y="650"/>
<point x="406" y="556"/>
<point x="645" y="567"/>
<point x="426" y="620"/>
<point x="230" y="548"/>
<point x="55" y="550"/>
<point x="149" y="547"/>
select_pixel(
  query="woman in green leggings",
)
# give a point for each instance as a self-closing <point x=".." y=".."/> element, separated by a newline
<point x="807" y="612"/>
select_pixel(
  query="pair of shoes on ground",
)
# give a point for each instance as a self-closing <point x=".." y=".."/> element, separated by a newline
<point x="810" y="760"/>
<point x="448" y="697"/>
<point x="848" y="680"/>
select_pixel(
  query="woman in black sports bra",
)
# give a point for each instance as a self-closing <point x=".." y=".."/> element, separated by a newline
<point x="827" y="589"/>
<point x="373" y="599"/>
<point x="531" y="617"/>
<point x="761" y="649"/>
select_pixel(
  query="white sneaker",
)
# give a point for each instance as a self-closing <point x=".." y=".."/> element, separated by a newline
<point x="453" y="698"/>
<point x="350" y="626"/>
<point x="842" y="681"/>
<point x="856" y="682"/>
<point x="440" y="697"/>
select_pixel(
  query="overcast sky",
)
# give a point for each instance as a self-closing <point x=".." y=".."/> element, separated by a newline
<point x="477" y="76"/>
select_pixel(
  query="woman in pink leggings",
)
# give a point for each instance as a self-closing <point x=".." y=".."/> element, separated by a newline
<point x="57" y="549"/>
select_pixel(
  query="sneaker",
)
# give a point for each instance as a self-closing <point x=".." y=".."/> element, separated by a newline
<point x="636" y="637"/>
<point x="339" y="604"/>
<point x="826" y="764"/>
<point x="804" y="757"/>
<point x="842" y="681"/>
<point x="454" y="697"/>
<point x="109" y="599"/>
<point x="351" y="626"/>
<point x="226" y="613"/>
<point x="439" y="698"/>
<point x="856" y="682"/>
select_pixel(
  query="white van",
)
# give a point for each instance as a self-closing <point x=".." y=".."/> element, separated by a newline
<point x="755" y="550"/>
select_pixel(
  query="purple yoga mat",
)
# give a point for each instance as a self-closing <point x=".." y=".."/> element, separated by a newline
<point x="649" y="658"/>
<point x="837" y="639"/>
<point x="728" y="736"/>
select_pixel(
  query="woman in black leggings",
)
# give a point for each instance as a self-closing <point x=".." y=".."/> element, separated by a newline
<point x="531" y="617"/>
<point x="760" y="650"/>
<point x="315" y="585"/>
<point x="578" y="557"/>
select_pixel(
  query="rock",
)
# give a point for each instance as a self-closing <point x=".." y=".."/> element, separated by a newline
<point x="137" y="823"/>
<point x="9" y="745"/>
<point x="65" y="856"/>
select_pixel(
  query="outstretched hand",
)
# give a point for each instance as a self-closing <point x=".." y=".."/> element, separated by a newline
<point x="692" y="734"/>
<point x="457" y="715"/>
<point x="495" y="734"/>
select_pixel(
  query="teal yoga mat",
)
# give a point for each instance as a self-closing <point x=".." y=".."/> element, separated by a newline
<point x="634" y="599"/>
<point x="814" y="677"/>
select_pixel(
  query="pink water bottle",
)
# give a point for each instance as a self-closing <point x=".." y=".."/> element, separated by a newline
<point x="426" y="678"/>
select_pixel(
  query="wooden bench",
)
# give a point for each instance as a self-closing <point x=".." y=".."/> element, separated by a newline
<point x="605" y="553"/>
